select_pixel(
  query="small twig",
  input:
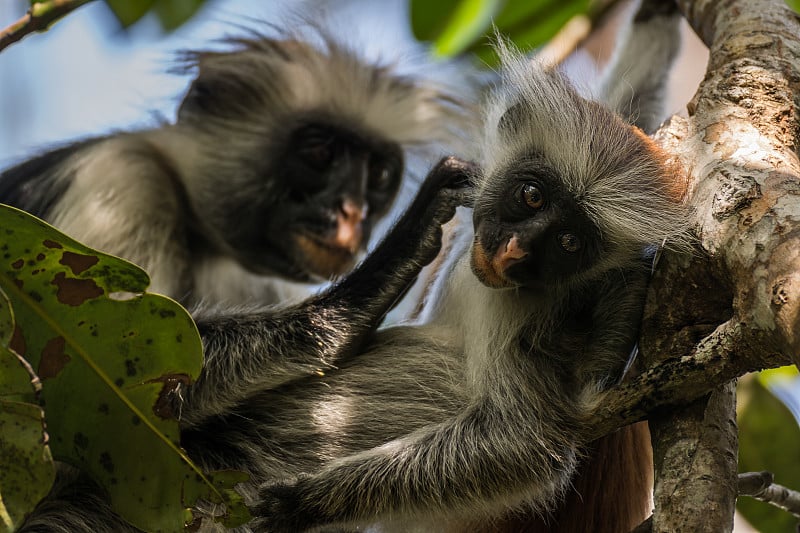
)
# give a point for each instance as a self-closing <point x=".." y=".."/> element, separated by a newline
<point x="38" y="18"/>
<point x="36" y="383"/>
<point x="759" y="485"/>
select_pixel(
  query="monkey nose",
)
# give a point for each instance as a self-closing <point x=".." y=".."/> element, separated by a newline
<point x="349" y="228"/>
<point x="353" y="210"/>
<point x="508" y="254"/>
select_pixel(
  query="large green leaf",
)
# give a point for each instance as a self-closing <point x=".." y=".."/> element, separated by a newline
<point x="457" y="26"/>
<point x="107" y="354"/>
<point x="173" y="13"/>
<point x="27" y="471"/>
<point x="129" y="12"/>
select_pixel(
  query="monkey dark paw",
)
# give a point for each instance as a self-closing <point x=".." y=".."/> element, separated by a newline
<point x="455" y="177"/>
<point x="456" y="173"/>
<point x="281" y="508"/>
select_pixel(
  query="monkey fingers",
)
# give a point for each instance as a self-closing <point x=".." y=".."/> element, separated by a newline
<point x="456" y="175"/>
<point x="414" y="240"/>
<point x="282" y="508"/>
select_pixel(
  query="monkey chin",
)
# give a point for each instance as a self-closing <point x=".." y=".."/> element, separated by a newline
<point x="322" y="258"/>
<point x="485" y="269"/>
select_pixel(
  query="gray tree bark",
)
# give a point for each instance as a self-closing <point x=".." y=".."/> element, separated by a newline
<point x="735" y="306"/>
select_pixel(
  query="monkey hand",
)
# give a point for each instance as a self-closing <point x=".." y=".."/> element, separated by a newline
<point x="417" y="234"/>
<point x="452" y="177"/>
<point x="282" y="507"/>
<point x="379" y="282"/>
<point x="446" y="187"/>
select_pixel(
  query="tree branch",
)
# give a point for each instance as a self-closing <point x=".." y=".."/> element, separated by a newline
<point x="735" y="307"/>
<point x="759" y="485"/>
<point x="741" y="150"/>
<point x="718" y="359"/>
<point x="39" y="17"/>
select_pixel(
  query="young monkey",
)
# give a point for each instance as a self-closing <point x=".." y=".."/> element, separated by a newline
<point x="536" y="321"/>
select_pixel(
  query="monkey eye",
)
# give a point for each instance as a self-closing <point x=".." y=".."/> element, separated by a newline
<point x="532" y="196"/>
<point x="318" y="152"/>
<point x="381" y="178"/>
<point x="569" y="242"/>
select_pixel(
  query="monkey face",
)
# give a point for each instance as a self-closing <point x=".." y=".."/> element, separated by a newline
<point x="530" y="232"/>
<point x="340" y="183"/>
<point x="326" y="188"/>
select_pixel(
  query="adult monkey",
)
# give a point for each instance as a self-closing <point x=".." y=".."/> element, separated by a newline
<point x="283" y="157"/>
<point x="257" y="350"/>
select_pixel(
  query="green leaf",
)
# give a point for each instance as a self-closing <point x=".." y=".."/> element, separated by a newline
<point x="533" y="27"/>
<point x="15" y="373"/>
<point x="129" y="12"/>
<point x="520" y="15"/>
<point x="794" y="4"/>
<point x="457" y="26"/>
<point x="27" y="471"/>
<point x="531" y="24"/>
<point x="173" y="13"/>
<point x="778" y="376"/>
<point x="470" y="20"/>
<point x="768" y="440"/>
<point x="429" y="18"/>
<point x="107" y="355"/>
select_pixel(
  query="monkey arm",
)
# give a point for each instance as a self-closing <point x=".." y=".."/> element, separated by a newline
<point x="637" y="89"/>
<point x="617" y="301"/>
<point x="491" y="455"/>
<point x="251" y="351"/>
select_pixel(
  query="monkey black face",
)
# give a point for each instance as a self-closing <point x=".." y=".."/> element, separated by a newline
<point x="328" y="186"/>
<point x="530" y="231"/>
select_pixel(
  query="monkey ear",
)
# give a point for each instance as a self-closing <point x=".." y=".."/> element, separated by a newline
<point x="231" y="84"/>
<point x="513" y="121"/>
<point x="198" y="98"/>
<point x="222" y="88"/>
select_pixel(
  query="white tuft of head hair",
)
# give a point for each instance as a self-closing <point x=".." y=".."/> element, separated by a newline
<point x="308" y="70"/>
<point x="614" y="171"/>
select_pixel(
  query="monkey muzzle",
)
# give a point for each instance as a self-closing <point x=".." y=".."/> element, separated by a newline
<point x="491" y="270"/>
<point x="334" y="252"/>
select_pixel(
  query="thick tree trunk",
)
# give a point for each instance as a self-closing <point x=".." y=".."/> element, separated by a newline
<point x="740" y="305"/>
